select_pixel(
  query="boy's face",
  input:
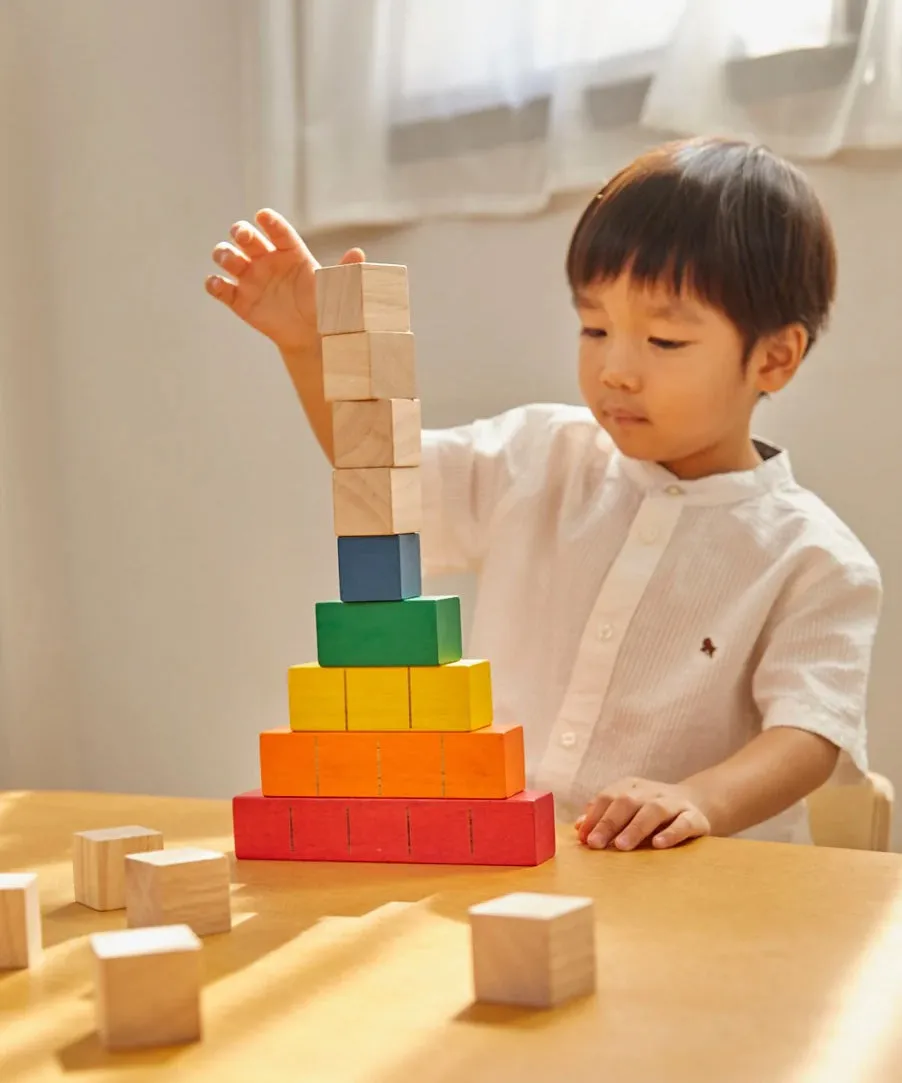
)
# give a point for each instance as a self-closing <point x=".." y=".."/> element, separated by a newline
<point x="664" y="376"/>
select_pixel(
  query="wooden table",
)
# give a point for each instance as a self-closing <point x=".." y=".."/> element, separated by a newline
<point x="718" y="963"/>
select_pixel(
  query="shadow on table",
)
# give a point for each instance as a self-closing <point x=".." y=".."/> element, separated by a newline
<point x="87" y="1054"/>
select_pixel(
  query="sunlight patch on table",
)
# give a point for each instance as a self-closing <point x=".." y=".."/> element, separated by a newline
<point x="856" y="1033"/>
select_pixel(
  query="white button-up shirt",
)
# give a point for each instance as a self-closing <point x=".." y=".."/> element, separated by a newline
<point x="642" y="625"/>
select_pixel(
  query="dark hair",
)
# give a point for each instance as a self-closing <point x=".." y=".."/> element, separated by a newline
<point x="734" y="224"/>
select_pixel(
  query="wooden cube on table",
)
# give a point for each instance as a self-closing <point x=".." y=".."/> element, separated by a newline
<point x="533" y="950"/>
<point x="20" y="921"/>
<point x="369" y="365"/>
<point x="147" y="986"/>
<point x="187" y="886"/>
<point x="98" y="863"/>
<point x="384" y="432"/>
<point x="362" y="297"/>
<point x="377" y="500"/>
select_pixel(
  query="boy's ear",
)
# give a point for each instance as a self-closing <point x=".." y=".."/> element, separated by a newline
<point x="777" y="357"/>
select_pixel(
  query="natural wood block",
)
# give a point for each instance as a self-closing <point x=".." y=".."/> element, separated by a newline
<point x="367" y="365"/>
<point x="316" y="697"/>
<point x="514" y="831"/>
<point x="415" y="632"/>
<point x="362" y="297"/>
<point x="376" y="433"/>
<point x="288" y="763"/>
<point x="533" y="950"/>
<point x="410" y="764"/>
<point x="348" y="764"/>
<point x="378" y="698"/>
<point x="98" y="862"/>
<point x="456" y="696"/>
<point x="379" y="568"/>
<point x="381" y="500"/>
<point x="485" y="763"/>
<point x="20" y="921"/>
<point x="173" y="887"/>
<point x="147" y="986"/>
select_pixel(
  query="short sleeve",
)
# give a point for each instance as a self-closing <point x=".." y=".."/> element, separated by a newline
<point x="468" y="474"/>
<point x="813" y="674"/>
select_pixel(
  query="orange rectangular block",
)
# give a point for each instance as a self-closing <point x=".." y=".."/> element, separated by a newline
<point x="288" y="763"/>
<point x="410" y="764"/>
<point x="348" y="764"/>
<point x="485" y="763"/>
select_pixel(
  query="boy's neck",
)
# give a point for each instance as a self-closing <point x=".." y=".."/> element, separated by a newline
<point x="726" y="458"/>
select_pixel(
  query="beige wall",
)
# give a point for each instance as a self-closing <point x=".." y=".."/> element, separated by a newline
<point x="169" y="530"/>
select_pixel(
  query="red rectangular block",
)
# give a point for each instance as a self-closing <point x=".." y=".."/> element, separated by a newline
<point x="261" y="828"/>
<point x="518" y="831"/>
<point x="440" y="832"/>
<point x="378" y="829"/>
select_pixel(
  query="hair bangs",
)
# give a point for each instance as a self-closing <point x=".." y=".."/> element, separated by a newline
<point x="727" y="222"/>
<point x="648" y="230"/>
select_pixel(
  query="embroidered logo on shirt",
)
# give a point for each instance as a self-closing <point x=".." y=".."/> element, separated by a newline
<point x="709" y="648"/>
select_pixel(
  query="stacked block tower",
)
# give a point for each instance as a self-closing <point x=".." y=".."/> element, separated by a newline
<point x="391" y="753"/>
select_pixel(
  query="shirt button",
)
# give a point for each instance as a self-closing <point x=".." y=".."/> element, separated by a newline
<point x="673" y="490"/>
<point x="648" y="535"/>
<point x="606" y="631"/>
<point x="568" y="740"/>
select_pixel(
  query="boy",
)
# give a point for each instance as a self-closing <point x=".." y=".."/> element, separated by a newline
<point x="682" y="630"/>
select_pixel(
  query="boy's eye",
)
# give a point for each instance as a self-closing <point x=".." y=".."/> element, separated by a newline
<point x="593" y="332"/>
<point x="668" y="343"/>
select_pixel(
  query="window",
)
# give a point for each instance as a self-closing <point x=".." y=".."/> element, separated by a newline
<point x="473" y="55"/>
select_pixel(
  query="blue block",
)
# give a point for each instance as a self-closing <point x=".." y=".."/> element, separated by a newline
<point x="379" y="569"/>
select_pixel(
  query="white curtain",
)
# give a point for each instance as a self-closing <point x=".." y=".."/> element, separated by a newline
<point x="409" y="108"/>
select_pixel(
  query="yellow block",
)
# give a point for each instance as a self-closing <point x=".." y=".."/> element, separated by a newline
<point x="378" y="698"/>
<point x="456" y="696"/>
<point x="316" y="697"/>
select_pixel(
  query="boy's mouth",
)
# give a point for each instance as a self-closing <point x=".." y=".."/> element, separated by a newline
<point x="619" y="416"/>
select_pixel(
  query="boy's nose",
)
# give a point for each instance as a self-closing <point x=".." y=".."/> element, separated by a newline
<point x="619" y="378"/>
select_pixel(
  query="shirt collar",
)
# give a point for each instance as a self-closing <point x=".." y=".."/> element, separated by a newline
<point x="655" y="480"/>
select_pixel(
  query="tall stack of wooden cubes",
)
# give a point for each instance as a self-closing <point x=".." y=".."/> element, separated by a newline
<point x="391" y="753"/>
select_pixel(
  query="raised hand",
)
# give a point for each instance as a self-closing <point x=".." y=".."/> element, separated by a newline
<point x="271" y="279"/>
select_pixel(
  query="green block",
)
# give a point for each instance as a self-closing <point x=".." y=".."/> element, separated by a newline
<point x="412" y="632"/>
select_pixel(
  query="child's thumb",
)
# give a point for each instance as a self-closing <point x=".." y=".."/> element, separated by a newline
<point x="353" y="255"/>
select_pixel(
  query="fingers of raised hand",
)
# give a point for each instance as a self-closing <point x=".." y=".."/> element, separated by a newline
<point x="221" y="288"/>
<point x="230" y="259"/>
<point x="280" y="232"/>
<point x="250" y="240"/>
<point x="353" y="255"/>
